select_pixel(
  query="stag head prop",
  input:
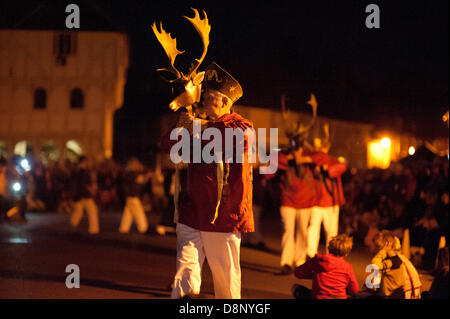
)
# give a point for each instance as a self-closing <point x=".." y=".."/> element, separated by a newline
<point x="295" y="130"/>
<point x="192" y="80"/>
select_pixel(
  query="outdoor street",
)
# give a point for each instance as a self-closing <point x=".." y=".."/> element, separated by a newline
<point x="35" y="255"/>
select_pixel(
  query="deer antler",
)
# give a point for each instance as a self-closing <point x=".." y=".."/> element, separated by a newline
<point x="203" y="28"/>
<point x="326" y="140"/>
<point x="299" y="127"/>
<point x="169" y="45"/>
<point x="313" y="102"/>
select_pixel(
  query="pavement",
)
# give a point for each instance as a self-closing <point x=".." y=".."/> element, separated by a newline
<point x="34" y="257"/>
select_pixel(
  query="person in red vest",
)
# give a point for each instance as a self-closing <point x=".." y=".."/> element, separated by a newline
<point x="328" y="171"/>
<point x="214" y="208"/>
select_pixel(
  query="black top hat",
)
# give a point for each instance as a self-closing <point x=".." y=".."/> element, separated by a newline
<point x="220" y="80"/>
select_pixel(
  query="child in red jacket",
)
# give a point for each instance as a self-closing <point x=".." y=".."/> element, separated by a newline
<point x="332" y="276"/>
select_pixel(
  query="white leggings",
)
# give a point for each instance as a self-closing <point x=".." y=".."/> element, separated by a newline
<point x="89" y="205"/>
<point x="133" y="210"/>
<point x="329" y="216"/>
<point x="294" y="240"/>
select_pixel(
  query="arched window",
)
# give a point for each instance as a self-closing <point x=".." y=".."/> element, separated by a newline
<point x="76" y="99"/>
<point x="40" y="99"/>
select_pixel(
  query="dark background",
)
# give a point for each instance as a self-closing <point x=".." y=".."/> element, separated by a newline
<point x="395" y="76"/>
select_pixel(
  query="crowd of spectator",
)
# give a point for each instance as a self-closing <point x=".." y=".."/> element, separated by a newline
<point x="411" y="195"/>
<point x="49" y="188"/>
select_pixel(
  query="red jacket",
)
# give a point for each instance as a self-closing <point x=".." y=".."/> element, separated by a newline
<point x="198" y="198"/>
<point x="332" y="277"/>
<point x="330" y="191"/>
<point x="297" y="192"/>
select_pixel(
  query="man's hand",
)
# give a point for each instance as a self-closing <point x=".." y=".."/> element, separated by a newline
<point x="300" y="159"/>
<point x="186" y="120"/>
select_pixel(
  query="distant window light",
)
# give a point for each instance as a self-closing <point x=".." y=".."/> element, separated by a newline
<point x="40" y="99"/>
<point x="77" y="99"/>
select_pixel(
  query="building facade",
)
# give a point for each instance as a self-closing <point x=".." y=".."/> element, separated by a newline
<point x="59" y="91"/>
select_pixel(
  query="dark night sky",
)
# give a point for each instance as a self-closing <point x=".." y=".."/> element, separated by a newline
<point x="396" y="75"/>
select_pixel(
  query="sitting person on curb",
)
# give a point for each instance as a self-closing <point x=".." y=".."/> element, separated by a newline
<point x="332" y="276"/>
<point x="399" y="278"/>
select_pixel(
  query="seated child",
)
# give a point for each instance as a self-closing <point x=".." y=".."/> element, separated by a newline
<point x="399" y="278"/>
<point x="332" y="276"/>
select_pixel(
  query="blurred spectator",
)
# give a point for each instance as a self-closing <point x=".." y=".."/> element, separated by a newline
<point x="85" y="190"/>
<point x="134" y="178"/>
<point x="107" y="174"/>
<point x="411" y="195"/>
<point x="399" y="278"/>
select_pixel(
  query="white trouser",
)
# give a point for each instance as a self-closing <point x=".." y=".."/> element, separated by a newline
<point x="222" y="252"/>
<point x="329" y="216"/>
<point x="133" y="210"/>
<point x="294" y="240"/>
<point x="89" y="205"/>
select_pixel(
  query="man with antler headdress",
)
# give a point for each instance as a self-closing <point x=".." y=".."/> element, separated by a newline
<point x="213" y="201"/>
<point x="298" y="191"/>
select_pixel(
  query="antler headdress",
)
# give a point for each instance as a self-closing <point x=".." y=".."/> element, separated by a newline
<point x="192" y="80"/>
<point x="294" y="130"/>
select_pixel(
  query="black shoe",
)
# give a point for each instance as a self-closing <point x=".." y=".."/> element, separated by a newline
<point x="300" y="292"/>
<point x="286" y="270"/>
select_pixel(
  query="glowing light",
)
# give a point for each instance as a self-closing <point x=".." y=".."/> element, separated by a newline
<point x="411" y="150"/>
<point x="25" y="164"/>
<point x="16" y="187"/>
<point x="386" y="142"/>
<point x="379" y="153"/>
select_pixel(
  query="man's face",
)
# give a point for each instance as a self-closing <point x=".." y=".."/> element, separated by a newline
<point x="216" y="104"/>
